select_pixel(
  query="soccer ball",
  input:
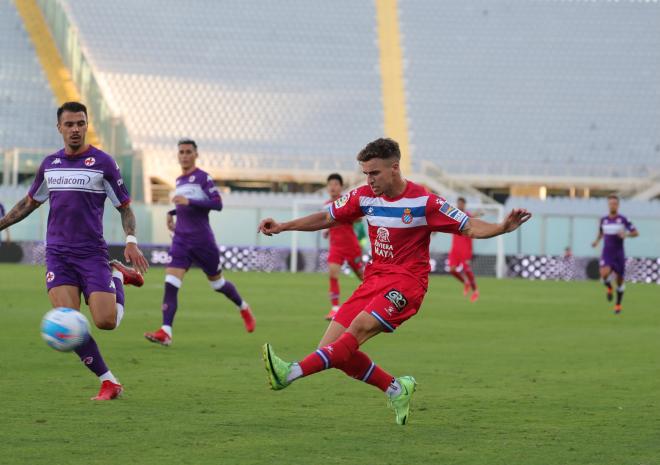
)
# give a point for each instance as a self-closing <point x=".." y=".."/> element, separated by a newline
<point x="64" y="329"/>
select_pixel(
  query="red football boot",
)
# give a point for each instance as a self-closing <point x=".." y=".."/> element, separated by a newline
<point x="475" y="296"/>
<point x="159" y="337"/>
<point x="131" y="275"/>
<point x="109" y="391"/>
<point x="617" y="309"/>
<point x="248" y="319"/>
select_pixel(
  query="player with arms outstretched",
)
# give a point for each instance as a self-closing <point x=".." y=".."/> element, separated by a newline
<point x="401" y="216"/>
<point x="614" y="228"/>
<point x="76" y="180"/>
<point x="195" y="197"/>
<point x="460" y="256"/>
<point x="344" y="247"/>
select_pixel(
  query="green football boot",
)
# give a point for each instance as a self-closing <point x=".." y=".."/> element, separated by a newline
<point x="277" y="369"/>
<point x="401" y="403"/>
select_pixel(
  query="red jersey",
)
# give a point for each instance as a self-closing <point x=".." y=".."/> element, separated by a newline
<point x="343" y="236"/>
<point x="400" y="228"/>
<point x="462" y="245"/>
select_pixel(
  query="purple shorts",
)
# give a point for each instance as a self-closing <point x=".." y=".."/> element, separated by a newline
<point x="206" y="256"/>
<point x="616" y="263"/>
<point x="89" y="274"/>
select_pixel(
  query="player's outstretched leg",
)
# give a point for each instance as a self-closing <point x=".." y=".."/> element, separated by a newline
<point x="227" y="288"/>
<point x="344" y="355"/>
<point x="163" y="336"/>
<point x="91" y="356"/>
<point x="399" y="391"/>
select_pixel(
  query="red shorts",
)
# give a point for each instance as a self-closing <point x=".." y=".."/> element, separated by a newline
<point x="391" y="299"/>
<point x="352" y="256"/>
<point x="459" y="258"/>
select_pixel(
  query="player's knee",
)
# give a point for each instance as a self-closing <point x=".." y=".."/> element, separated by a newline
<point x="106" y="323"/>
<point x="218" y="284"/>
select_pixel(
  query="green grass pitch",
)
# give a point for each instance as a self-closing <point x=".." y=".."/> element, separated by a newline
<point x="534" y="373"/>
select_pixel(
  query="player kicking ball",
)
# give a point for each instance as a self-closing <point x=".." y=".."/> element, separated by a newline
<point x="193" y="242"/>
<point x="344" y="247"/>
<point x="401" y="216"/>
<point x="76" y="180"/>
<point x="460" y="256"/>
<point x="614" y="228"/>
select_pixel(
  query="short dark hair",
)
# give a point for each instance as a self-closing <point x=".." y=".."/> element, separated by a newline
<point x="73" y="107"/>
<point x="187" y="140"/>
<point x="384" y="148"/>
<point x="613" y="196"/>
<point x="337" y="177"/>
<point x="461" y="199"/>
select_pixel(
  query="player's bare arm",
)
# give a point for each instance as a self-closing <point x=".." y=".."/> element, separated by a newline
<point x="132" y="253"/>
<point x="479" y="229"/>
<point x="180" y="200"/>
<point x="170" y="221"/>
<point x="625" y="234"/>
<point x="598" y="238"/>
<point x="313" y="222"/>
<point x="21" y="210"/>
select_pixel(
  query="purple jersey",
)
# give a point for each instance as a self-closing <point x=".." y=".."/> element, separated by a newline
<point x="77" y="187"/>
<point x="610" y="228"/>
<point x="192" y="221"/>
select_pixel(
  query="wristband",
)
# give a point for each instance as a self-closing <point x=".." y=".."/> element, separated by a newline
<point x="130" y="239"/>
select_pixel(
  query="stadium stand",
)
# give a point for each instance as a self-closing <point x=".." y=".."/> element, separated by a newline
<point x="285" y="85"/>
<point x="544" y="88"/>
<point x="28" y="111"/>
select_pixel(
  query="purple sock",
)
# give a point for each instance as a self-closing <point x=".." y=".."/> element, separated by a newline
<point x="119" y="286"/>
<point x="169" y="303"/>
<point x="229" y="290"/>
<point x="89" y="354"/>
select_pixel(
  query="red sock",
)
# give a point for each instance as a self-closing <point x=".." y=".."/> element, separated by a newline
<point x="332" y="355"/>
<point x="458" y="276"/>
<point x="470" y="277"/>
<point x="334" y="291"/>
<point x="360" y="367"/>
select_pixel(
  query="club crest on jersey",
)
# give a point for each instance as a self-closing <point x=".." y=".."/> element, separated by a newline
<point x="89" y="161"/>
<point x="191" y="178"/>
<point x="407" y="216"/>
<point x="341" y="201"/>
<point x="397" y="299"/>
<point x="50" y="276"/>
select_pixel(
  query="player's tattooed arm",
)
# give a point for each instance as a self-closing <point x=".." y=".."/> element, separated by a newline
<point x="313" y="222"/>
<point x="21" y="210"/>
<point x="479" y="229"/>
<point x="127" y="220"/>
<point x="132" y="253"/>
